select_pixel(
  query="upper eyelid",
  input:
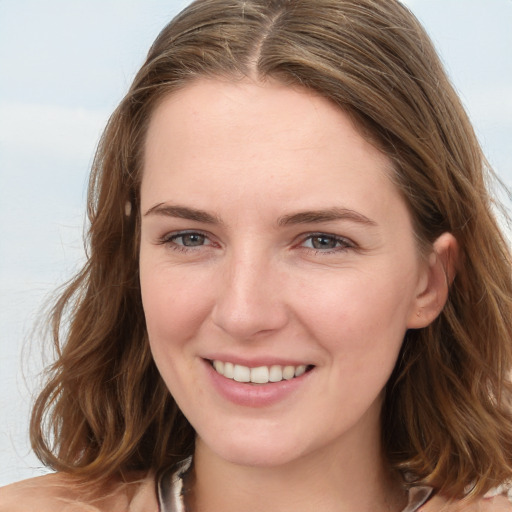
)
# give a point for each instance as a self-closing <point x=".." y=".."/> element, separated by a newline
<point x="171" y="235"/>
<point x="304" y="236"/>
<point x="340" y="238"/>
<point x="168" y="237"/>
<point x="183" y="232"/>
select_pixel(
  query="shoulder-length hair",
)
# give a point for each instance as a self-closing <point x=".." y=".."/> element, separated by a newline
<point x="446" y="419"/>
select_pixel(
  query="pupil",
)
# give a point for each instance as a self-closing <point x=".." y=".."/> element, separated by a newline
<point x="193" y="240"/>
<point x="323" y="242"/>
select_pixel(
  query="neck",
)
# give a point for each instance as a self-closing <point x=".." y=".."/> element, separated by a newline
<point x="333" y="479"/>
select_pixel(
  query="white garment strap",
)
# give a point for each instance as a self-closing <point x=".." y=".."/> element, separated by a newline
<point x="170" y="487"/>
<point x="418" y="496"/>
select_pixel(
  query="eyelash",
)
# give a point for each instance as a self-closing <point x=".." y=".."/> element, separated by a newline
<point x="170" y="240"/>
<point x="341" y="243"/>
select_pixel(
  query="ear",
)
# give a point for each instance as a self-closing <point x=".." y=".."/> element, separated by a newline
<point x="438" y="274"/>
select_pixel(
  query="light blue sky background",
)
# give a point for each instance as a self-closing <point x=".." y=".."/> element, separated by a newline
<point x="64" y="65"/>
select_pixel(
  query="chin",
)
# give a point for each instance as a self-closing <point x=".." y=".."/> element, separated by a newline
<point x="257" y="457"/>
<point x="264" y="451"/>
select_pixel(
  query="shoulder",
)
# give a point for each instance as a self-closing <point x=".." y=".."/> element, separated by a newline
<point x="49" y="492"/>
<point x="498" y="503"/>
<point x="59" y="492"/>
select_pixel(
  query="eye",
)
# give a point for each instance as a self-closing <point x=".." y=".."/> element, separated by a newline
<point x="189" y="239"/>
<point x="185" y="240"/>
<point x="326" y="243"/>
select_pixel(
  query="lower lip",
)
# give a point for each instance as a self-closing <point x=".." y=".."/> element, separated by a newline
<point x="255" y="395"/>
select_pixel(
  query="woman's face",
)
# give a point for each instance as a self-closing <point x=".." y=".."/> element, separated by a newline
<point x="274" y="247"/>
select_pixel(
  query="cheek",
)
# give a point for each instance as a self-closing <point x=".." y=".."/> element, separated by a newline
<point x="361" y="314"/>
<point x="175" y="304"/>
<point x="174" y="307"/>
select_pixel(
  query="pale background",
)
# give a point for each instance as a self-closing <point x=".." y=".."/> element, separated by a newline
<point x="64" y="65"/>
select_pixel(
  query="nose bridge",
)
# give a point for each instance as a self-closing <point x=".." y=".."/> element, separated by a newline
<point x="249" y="300"/>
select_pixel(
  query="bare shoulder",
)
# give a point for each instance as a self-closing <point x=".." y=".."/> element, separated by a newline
<point x="49" y="492"/>
<point x="59" y="492"/>
<point x="498" y="503"/>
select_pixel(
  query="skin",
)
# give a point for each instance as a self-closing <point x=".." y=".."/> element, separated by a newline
<point x="252" y="281"/>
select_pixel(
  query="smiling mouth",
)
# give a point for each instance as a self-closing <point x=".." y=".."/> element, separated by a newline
<point x="259" y="374"/>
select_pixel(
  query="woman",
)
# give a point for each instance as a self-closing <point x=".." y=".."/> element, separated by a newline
<point x="297" y="295"/>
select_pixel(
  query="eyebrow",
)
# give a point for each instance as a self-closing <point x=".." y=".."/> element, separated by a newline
<point x="304" y="217"/>
<point x="330" y="214"/>
<point x="183" y="212"/>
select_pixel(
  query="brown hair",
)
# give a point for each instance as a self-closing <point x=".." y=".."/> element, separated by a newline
<point x="446" y="418"/>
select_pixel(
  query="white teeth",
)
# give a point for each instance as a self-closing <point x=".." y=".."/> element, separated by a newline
<point x="260" y="374"/>
<point x="229" y="370"/>
<point x="288" y="372"/>
<point x="300" y="370"/>
<point x="242" y="373"/>
<point x="275" y="374"/>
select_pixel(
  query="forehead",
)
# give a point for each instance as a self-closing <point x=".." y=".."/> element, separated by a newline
<point x="259" y="141"/>
<point x="204" y="104"/>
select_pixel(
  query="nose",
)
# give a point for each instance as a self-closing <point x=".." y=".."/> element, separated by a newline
<point x="250" y="297"/>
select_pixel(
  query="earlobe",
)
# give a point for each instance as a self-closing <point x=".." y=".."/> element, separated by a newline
<point x="440" y="270"/>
